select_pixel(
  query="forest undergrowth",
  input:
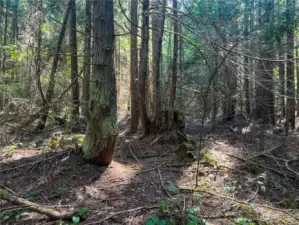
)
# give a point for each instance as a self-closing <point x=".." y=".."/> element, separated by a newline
<point x="248" y="174"/>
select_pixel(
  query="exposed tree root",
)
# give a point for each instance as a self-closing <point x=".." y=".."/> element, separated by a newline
<point x="34" y="207"/>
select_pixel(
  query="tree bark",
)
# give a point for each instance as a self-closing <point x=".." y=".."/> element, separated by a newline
<point x="5" y="36"/>
<point x="246" y="60"/>
<point x="158" y="19"/>
<point x="281" y="71"/>
<point x="175" y="57"/>
<point x="291" y="103"/>
<point x="143" y="68"/>
<point x="101" y="133"/>
<point x="38" y="55"/>
<point x="265" y="101"/>
<point x="134" y="67"/>
<point x="50" y="91"/>
<point x="75" y="103"/>
<point x="87" y="58"/>
<point x="297" y="69"/>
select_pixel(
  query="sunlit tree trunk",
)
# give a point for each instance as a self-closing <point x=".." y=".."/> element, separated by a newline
<point x="101" y="133"/>
<point x="291" y="103"/>
<point x="134" y="67"/>
<point x="158" y="19"/>
<point x="50" y="91"/>
<point x="75" y="104"/>
<point x="87" y="58"/>
<point x="143" y="68"/>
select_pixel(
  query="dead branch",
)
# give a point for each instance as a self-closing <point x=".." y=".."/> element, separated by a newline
<point x="34" y="207"/>
<point x="237" y="200"/>
<point x="38" y="161"/>
<point x="121" y="212"/>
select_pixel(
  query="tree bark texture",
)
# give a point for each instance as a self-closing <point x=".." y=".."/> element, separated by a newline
<point x="175" y="57"/>
<point x="143" y="68"/>
<point x="87" y="58"/>
<point x="134" y="67"/>
<point x="291" y="103"/>
<point x="158" y="19"/>
<point x="101" y="133"/>
<point x="75" y="103"/>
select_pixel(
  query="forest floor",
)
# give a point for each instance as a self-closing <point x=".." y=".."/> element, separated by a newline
<point x="248" y="174"/>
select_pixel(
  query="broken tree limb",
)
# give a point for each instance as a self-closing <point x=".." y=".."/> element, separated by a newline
<point x="34" y="207"/>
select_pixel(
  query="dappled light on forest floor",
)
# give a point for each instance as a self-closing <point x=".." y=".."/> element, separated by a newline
<point x="237" y="180"/>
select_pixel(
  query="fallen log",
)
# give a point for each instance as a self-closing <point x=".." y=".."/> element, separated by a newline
<point x="34" y="207"/>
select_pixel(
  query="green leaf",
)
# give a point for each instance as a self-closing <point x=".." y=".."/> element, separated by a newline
<point x="171" y="188"/>
<point x="24" y="214"/>
<point x="162" y="222"/>
<point x="83" y="211"/>
<point x="163" y="206"/>
<point x="192" y="223"/>
<point x="193" y="210"/>
<point x="152" y="221"/>
<point x="76" y="219"/>
<point x="197" y="201"/>
<point x="194" y="218"/>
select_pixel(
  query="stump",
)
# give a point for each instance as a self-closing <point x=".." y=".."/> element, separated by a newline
<point x="172" y="123"/>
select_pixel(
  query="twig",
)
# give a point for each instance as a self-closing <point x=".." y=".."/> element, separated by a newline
<point x="11" y="191"/>
<point x="264" y="152"/>
<point x="121" y="212"/>
<point x="162" y="183"/>
<point x="34" y="206"/>
<point x="133" y="153"/>
<point x="238" y="201"/>
<point x="38" y="161"/>
<point x="290" y="169"/>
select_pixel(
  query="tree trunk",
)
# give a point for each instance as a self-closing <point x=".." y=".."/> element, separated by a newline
<point x="158" y="19"/>
<point x="143" y="68"/>
<point x="49" y="95"/>
<point x="246" y="60"/>
<point x="87" y="58"/>
<point x="290" y="108"/>
<point x="175" y="57"/>
<point x="297" y="70"/>
<point x="265" y="101"/>
<point x="134" y="67"/>
<point x="75" y="103"/>
<point x="181" y="47"/>
<point x="101" y="133"/>
<point x="38" y="54"/>
<point x="5" y="37"/>
<point x="281" y="71"/>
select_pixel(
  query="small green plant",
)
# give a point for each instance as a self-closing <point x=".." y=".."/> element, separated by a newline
<point x="76" y="219"/>
<point x="16" y="214"/>
<point x="31" y="196"/>
<point x="243" y="221"/>
<point x="174" y="211"/>
<point x="62" y="190"/>
<point x="11" y="151"/>
<point x="229" y="188"/>
<point x="83" y="211"/>
<point x="171" y="189"/>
